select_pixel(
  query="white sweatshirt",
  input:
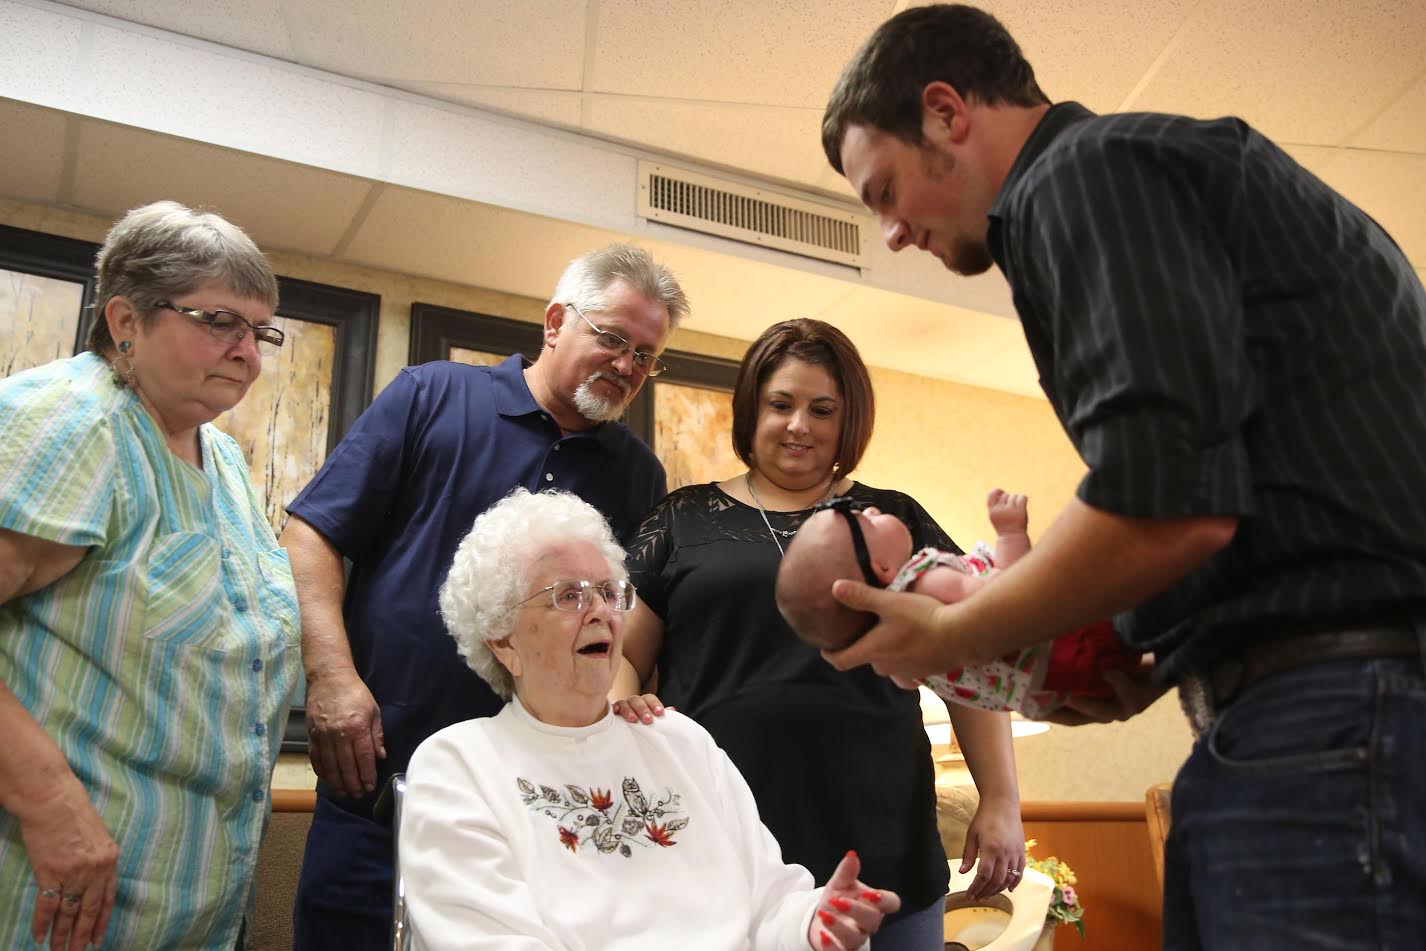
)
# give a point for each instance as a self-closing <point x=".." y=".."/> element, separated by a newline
<point x="517" y="835"/>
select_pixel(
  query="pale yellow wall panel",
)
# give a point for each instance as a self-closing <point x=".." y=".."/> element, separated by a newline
<point x="39" y="317"/>
<point x="282" y="423"/>
<point x="691" y="434"/>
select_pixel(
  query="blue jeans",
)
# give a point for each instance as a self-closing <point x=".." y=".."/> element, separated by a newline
<point x="1299" y="819"/>
<point x="923" y="930"/>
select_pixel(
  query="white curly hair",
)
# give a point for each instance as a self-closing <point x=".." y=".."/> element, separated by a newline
<point x="491" y="569"/>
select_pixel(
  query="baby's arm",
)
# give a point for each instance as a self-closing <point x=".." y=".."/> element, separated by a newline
<point x="1010" y="516"/>
<point x="948" y="585"/>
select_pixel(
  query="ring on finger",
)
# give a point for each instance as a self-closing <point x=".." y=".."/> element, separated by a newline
<point x="49" y="892"/>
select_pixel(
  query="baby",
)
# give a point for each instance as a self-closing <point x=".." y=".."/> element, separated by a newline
<point x="849" y="540"/>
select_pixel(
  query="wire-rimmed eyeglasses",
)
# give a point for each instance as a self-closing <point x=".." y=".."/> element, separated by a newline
<point x="575" y="594"/>
<point x="849" y="506"/>
<point x="228" y="326"/>
<point x="617" y="346"/>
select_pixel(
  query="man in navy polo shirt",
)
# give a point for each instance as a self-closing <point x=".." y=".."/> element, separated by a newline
<point x="437" y="447"/>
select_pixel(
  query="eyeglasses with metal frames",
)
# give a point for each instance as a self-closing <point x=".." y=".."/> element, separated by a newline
<point x="576" y="594"/>
<point x="228" y="326"/>
<point x="618" y="346"/>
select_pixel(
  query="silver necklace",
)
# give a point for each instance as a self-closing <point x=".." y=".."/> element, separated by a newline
<point x="774" y="532"/>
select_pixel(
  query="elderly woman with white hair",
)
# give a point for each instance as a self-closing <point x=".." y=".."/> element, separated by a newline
<point x="556" y="824"/>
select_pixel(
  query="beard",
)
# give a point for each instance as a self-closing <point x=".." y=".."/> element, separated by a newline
<point x="596" y="408"/>
<point x="966" y="256"/>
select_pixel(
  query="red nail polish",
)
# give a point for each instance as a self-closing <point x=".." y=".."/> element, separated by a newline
<point x="874" y="897"/>
<point x="826" y="917"/>
<point x="841" y="904"/>
<point x="826" y="940"/>
<point x="852" y="853"/>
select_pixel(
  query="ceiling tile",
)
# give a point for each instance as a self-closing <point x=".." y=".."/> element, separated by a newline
<point x="39" y="54"/>
<point x="1312" y="157"/>
<point x="1379" y="183"/>
<point x="253" y="25"/>
<point x="469" y="243"/>
<point x="1091" y="52"/>
<point x="536" y="43"/>
<point x="281" y="205"/>
<point x="770" y="52"/>
<point x="549" y="106"/>
<point x="1401" y="128"/>
<point x="1307" y="73"/>
<point x="31" y="151"/>
<point x="765" y="140"/>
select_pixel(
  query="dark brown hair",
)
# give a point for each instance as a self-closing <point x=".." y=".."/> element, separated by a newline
<point x="959" y="45"/>
<point x="820" y="344"/>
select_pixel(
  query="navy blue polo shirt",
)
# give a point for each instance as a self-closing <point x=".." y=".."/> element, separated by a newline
<point x="436" y="448"/>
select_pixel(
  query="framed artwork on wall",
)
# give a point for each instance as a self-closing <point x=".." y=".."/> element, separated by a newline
<point x="307" y="396"/>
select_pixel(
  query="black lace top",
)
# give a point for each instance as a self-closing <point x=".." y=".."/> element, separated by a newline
<point x="837" y="761"/>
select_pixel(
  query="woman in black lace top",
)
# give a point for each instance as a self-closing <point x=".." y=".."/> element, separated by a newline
<point x="836" y="761"/>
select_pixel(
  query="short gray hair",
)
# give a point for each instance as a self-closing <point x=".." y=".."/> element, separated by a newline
<point x="586" y="280"/>
<point x="491" y="569"/>
<point x="165" y="250"/>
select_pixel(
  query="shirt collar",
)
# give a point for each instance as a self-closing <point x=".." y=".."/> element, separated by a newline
<point x="1055" y="121"/>
<point x="513" y="398"/>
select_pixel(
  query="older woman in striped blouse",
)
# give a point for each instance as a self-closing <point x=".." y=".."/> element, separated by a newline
<point x="148" y="620"/>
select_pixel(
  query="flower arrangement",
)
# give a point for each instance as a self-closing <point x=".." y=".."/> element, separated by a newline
<point x="1064" y="904"/>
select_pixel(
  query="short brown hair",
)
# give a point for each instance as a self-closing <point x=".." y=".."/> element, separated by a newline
<point x="164" y="250"/>
<point x="962" y="46"/>
<point x="820" y="344"/>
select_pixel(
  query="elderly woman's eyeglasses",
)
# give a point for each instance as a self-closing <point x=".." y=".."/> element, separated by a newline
<point x="576" y="595"/>
<point x="228" y="326"/>
<point x="617" y="346"/>
<point x="849" y="507"/>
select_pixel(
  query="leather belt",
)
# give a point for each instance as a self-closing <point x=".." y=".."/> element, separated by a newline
<point x="1230" y="676"/>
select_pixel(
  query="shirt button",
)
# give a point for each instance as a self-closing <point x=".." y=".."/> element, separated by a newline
<point x="257" y="795"/>
<point x="257" y="665"/>
<point x="227" y="554"/>
<point x="557" y="448"/>
<point x="544" y="417"/>
<point x="260" y="729"/>
<point x="240" y="604"/>
<point x="549" y="477"/>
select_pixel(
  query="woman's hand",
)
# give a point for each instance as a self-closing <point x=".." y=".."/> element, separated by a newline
<point x="849" y="912"/>
<point x="640" y="707"/>
<point x="73" y="859"/>
<point x="997" y="838"/>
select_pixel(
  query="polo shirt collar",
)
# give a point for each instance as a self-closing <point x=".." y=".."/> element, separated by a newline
<point x="513" y="398"/>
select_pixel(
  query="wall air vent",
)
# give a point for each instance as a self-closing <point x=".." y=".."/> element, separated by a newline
<point x="675" y="196"/>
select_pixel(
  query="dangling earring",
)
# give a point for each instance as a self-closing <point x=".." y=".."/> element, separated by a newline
<point x="125" y="377"/>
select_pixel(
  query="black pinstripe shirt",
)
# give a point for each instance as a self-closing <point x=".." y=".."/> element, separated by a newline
<point x="1220" y="333"/>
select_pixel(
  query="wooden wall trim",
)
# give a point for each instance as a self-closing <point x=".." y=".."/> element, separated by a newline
<point x="294" y="800"/>
<point x="1082" y="811"/>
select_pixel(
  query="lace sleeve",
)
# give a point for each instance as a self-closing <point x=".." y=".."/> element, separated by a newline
<point x="648" y="555"/>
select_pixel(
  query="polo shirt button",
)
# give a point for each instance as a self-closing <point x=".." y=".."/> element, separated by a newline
<point x="257" y="795"/>
<point x="544" y="417"/>
<point x="260" y="729"/>
<point x="549" y="477"/>
<point x="240" y="605"/>
<point x="557" y="448"/>
<point x="257" y="665"/>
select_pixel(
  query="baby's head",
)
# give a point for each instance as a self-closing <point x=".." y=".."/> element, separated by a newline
<point x="822" y="552"/>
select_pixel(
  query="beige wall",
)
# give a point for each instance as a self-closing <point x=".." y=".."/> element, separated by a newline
<point x="944" y="443"/>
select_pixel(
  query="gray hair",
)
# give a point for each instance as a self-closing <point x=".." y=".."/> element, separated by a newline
<point x="491" y="569"/>
<point x="585" y="282"/>
<point x="165" y="250"/>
